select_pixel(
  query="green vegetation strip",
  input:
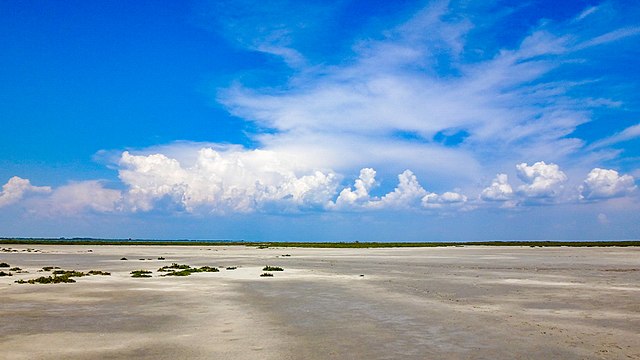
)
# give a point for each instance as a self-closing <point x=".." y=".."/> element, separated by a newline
<point x="264" y="245"/>
<point x="141" y="274"/>
<point x="61" y="276"/>
<point x="184" y="270"/>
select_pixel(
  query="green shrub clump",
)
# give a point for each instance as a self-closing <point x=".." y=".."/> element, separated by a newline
<point x="59" y="276"/>
<point x="266" y="274"/>
<point x="185" y="270"/>
<point x="2" y="273"/>
<point x="98" y="272"/>
<point x="48" y="280"/>
<point x="141" y="274"/>
<point x="4" y="264"/>
<point x="231" y="267"/>
<point x="49" y="268"/>
<point x="272" y="268"/>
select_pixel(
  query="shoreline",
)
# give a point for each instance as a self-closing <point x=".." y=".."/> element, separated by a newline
<point x="470" y="302"/>
<point x="328" y="245"/>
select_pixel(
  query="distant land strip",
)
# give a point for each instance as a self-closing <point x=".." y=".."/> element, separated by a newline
<point x="354" y="244"/>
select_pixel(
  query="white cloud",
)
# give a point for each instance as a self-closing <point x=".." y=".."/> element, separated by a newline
<point x="79" y="197"/>
<point x="603" y="184"/>
<point x="629" y="133"/>
<point x="360" y="194"/>
<point x="232" y="179"/>
<point x="542" y="180"/>
<point x="407" y="194"/>
<point x="435" y="201"/>
<point x="499" y="190"/>
<point x="16" y="188"/>
<point x="392" y="86"/>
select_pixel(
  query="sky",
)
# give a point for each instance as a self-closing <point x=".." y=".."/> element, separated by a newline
<point x="320" y="120"/>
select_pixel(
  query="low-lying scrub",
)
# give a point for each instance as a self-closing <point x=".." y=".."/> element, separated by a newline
<point x="48" y="280"/>
<point x="272" y="268"/>
<point x="49" y="268"/>
<point x="4" y="264"/>
<point x="266" y="274"/>
<point x="231" y="267"/>
<point x="99" y="272"/>
<point x="173" y="267"/>
<point x="2" y="273"/>
<point x="69" y="273"/>
<point x="60" y="276"/>
<point x="141" y="274"/>
<point x="185" y="270"/>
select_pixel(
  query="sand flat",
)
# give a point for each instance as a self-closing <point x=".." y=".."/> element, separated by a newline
<point x="411" y="303"/>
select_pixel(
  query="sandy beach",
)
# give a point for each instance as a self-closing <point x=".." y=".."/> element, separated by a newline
<point x="467" y="302"/>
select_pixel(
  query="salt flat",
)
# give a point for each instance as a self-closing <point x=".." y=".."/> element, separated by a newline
<point x="467" y="302"/>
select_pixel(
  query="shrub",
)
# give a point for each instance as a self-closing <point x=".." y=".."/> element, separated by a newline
<point x="160" y="258"/>
<point x="124" y="258"/>
<point x="48" y="280"/>
<point x="231" y="267"/>
<point x="98" y="272"/>
<point x="266" y="274"/>
<point x="69" y="273"/>
<point x="49" y="268"/>
<point x="4" y="264"/>
<point x="272" y="268"/>
<point x="59" y="276"/>
<point x="2" y="273"/>
<point x="141" y="274"/>
<point x="185" y="270"/>
<point x="174" y="266"/>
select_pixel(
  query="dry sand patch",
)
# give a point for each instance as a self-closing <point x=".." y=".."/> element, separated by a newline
<point x="464" y="302"/>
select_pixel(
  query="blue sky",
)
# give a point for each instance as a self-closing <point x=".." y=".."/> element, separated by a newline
<point x="315" y="120"/>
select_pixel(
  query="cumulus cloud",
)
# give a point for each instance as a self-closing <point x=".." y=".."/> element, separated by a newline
<point x="16" y="188"/>
<point x="79" y="197"/>
<point x="541" y="180"/>
<point x="499" y="190"/>
<point x="407" y="194"/>
<point x="233" y="179"/>
<point x="359" y="195"/>
<point x="449" y="198"/>
<point x="603" y="184"/>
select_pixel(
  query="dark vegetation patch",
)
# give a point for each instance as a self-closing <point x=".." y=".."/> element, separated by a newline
<point x="123" y="258"/>
<point x="4" y="264"/>
<point x="184" y="270"/>
<point x="266" y="274"/>
<point x="99" y="272"/>
<point x="141" y="274"/>
<point x="285" y="255"/>
<point x="231" y="267"/>
<point x="2" y="273"/>
<point x="48" y="280"/>
<point x="60" y="276"/>
<point x="160" y="258"/>
<point x="49" y="268"/>
<point x="272" y="268"/>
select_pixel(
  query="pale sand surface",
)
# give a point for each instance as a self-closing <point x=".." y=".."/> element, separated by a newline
<point x="412" y="303"/>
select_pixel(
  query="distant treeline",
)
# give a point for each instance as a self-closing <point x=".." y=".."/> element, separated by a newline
<point x="356" y="244"/>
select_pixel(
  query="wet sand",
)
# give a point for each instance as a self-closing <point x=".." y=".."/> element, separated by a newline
<point x="411" y="303"/>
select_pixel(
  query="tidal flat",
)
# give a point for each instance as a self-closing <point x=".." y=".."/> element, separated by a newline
<point x="470" y="302"/>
